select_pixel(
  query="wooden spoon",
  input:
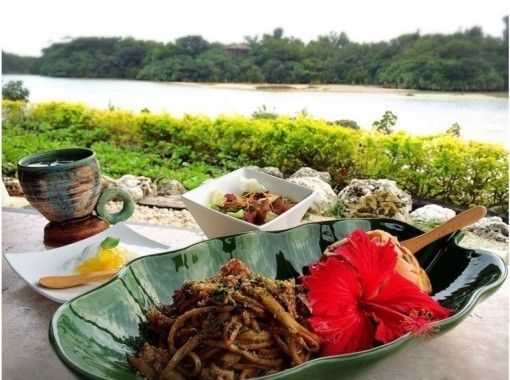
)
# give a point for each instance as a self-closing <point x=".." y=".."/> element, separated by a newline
<point x="456" y="223"/>
<point x="61" y="282"/>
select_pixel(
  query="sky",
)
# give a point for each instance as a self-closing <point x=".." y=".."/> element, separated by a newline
<point x="27" y="26"/>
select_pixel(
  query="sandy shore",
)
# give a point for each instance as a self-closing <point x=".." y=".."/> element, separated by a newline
<point x="343" y="88"/>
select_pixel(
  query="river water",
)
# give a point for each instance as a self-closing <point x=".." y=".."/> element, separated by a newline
<point x="481" y="117"/>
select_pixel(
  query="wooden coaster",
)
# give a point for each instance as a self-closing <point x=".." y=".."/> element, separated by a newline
<point x="59" y="234"/>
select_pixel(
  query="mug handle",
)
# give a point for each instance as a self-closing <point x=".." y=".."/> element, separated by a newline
<point x="127" y="208"/>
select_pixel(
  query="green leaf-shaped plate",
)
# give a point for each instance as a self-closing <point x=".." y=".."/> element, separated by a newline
<point x="94" y="333"/>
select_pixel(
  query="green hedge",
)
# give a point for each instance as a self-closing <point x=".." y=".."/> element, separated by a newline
<point x="193" y="148"/>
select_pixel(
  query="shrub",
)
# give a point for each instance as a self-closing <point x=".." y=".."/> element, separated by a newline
<point x="386" y="124"/>
<point x="58" y="115"/>
<point x="193" y="148"/>
<point x="345" y="123"/>
<point x="14" y="90"/>
<point x="263" y="112"/>
<point x="454" y="130"/>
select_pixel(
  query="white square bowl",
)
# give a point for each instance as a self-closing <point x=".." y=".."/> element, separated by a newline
<point x="215" y="223"/>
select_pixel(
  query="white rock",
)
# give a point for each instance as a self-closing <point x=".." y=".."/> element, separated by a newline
<point x="107" y="182"/>
<point x="271" y="170"/>
<point x="432" y="213"/>
<point x="138" y="187"/>
<point x="13" y="187"/>
<point x="491" y="227"/>
<point x="170" y="187"/>
<point x="309" y="172"/>
<point x="15" y="202"/>
<point x="375" y="198"/>
<point x="325" y="199"/>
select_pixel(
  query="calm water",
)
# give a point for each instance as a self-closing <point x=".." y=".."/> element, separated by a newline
<point x="481" y="117"/>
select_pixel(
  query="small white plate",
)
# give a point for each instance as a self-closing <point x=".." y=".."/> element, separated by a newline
<point x="31" y="266"/>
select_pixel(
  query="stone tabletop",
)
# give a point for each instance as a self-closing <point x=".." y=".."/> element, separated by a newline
<point x="476" y="349"/>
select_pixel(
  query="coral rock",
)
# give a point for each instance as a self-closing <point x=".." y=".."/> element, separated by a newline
<point x="375" y="199"/>
<point x="491" y="228"/>
<point x="107" y="182"/>
<point x="271" y="170"/>
<point x="138" y="187"/>
<point x="13" y="187"/>
<point x="325" y="198"/>
<point x="432" y="213"/>
<point x="309" y="172"/>
<point x="170" y="187"/>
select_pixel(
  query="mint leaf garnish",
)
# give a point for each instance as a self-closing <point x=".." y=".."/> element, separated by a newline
<point x="109" y="242"/>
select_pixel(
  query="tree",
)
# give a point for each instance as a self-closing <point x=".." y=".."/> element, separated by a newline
<point x="224" y="64"/>
<point x="386" y="124"/>
<point x="454" y="130"/>
<point x="251" y="73"/>
<point x="15" y="64"/>
<point x="14" y="90"/>
<point x="339" y="40"/>
<point x="475" y="31"/>
<point x="192" y="45"/>
<point x="278" y="33"/>
<point x="94" y="57"/>
<point x="263" y="112"/>
<point x="346" y="123"/>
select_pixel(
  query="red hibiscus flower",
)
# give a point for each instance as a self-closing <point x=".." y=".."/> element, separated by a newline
<point x="358" y="299"/>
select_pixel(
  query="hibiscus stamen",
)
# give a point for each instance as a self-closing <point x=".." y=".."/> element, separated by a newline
<point x="419" y="322"/>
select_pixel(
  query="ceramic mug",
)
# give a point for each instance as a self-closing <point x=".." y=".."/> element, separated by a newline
<point x="65" y="185"/>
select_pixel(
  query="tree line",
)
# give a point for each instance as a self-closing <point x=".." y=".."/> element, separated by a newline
<point x="463" y="61"/>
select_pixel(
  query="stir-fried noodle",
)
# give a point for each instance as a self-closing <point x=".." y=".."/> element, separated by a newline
<point x="233" y="325"/>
